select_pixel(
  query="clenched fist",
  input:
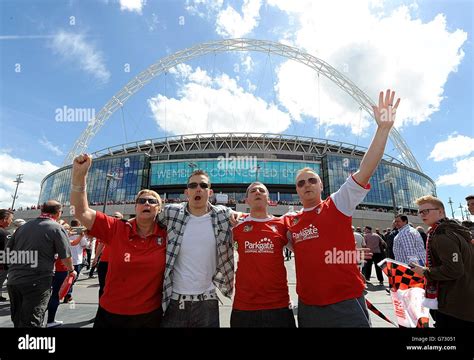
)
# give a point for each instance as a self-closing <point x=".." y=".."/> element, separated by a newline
<point x="81" y="165"/>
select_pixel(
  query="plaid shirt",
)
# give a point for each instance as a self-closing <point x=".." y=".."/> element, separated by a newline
<point x="175" y="217"/>
<point x="409" y="243"/>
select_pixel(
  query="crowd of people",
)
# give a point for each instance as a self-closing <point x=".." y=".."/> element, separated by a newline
<point x="167" y="265"/>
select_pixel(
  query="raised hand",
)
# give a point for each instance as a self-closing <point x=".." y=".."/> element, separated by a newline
<point x="386" y="111"/>
<point x="81" y="165"/>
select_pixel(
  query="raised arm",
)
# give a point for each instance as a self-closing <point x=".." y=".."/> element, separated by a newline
<point x="82" y="212"/>
<point x="385" y="117"/>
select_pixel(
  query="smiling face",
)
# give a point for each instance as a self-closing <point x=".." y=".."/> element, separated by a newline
<point x="309" y="188"/>
<point x="257" y="196"/>
<point x="147" y="205"/>
<point x="198" y="191"/>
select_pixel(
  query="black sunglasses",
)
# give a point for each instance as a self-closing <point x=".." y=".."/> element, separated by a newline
<point x="312" y="181"/>
<point x="151" y="201"/>
<point x="194" y="185"/>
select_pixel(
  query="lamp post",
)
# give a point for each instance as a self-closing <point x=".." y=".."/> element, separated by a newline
<point x="109" y="177"/>
<point x="450" y="202"/>
<point x="18" y="181"/>
<point x="462" y="212"/>
<point x="394" y="203"/>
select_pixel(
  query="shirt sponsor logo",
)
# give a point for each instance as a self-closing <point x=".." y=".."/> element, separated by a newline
<point x="263" y="246"/>
<point x="308" y="233"/>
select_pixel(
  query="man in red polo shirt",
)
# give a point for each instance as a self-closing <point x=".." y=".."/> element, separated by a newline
<point x="328" y="282"/>
<point x="261" y="287"/>
<point x="132" y="294"/>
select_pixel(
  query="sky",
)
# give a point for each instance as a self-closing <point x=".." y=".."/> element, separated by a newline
<point x="62" y="61"/>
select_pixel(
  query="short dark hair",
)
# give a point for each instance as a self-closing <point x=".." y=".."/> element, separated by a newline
<point x="469" y="197"/>
<point x="5" y="214"/>
<point x="368" y="228"/>
<point x="403" y="218"/>
<point x="75" y="222"/>
<point x="199" y="172"/>
<point x="51" y="208"/>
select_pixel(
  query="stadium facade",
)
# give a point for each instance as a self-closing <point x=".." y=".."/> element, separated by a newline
<point x="234" y="160"/>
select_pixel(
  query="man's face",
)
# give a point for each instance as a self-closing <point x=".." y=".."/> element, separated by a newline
<point x="198" y="191"/>
<point x="399" y="223"/>
<point x="470" y="206"/>
<point x="309" y="186"/>
<point x="147" y="207"/>
<point x="257" y="196"/>
<point x="430" y="213"/>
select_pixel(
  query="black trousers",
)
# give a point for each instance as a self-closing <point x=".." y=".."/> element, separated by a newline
<point x="29" y="302"/>
<point x="105" y="319"/>
<point x="271" y="318"/>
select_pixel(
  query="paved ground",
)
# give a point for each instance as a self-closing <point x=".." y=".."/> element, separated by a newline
<point x="83" y="308"/>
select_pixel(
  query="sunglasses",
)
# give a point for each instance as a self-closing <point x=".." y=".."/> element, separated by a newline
<point x="194" y="185"/>
<point x="426" y="211"/>
<point x="143" y="201"/>
<point x="311" y="181"/>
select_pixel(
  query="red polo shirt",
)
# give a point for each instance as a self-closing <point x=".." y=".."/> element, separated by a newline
<point x="136" y="266"/>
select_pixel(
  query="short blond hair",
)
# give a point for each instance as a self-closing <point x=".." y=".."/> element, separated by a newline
<point x="430" y="199"/>
<point x="306" y="169"/>
<point x="150" y="192"/>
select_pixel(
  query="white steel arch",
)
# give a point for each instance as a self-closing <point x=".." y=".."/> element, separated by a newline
<point x="219" y="46"/>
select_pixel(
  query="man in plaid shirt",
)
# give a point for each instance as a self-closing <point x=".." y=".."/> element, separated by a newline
<point x="199" y="257"/>
<point x="408" y="244"/>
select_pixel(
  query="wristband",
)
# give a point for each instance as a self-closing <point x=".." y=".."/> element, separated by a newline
<point x="76" y="188"/>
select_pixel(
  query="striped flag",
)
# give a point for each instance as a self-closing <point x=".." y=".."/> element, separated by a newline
<point x="407" y="291"/>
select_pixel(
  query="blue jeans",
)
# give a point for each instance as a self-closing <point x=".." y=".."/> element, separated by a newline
<point x="194" y="314"/>
<point x="350" y="313"/>
<point x="271" y="318"/>
<point x="53" y="304"/>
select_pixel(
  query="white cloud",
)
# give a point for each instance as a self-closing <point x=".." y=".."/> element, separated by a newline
<point x="28" y="191"/>
<point x="374" y="47"/>
<point x="75" y="49"/>
<point x="231" y="24"/>
<point x="214" y="104"/>
<point x="204" y="8"/>
<point x="462" y="176"/>
<point x="455" y="146"/>
<point x="132" y="5"/>
<point x="50" y="146"/>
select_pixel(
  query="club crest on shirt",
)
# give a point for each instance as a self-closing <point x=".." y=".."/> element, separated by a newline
<point x="159" y="240"/>
<point x="248" y="228"/>
<point x="274" y="228"/>
<point x="295" y="221"/>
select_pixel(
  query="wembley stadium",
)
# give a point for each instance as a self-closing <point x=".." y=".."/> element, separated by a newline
<point x="233" y="161"/>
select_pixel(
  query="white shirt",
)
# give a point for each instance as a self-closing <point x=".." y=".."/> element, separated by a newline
<point x="76" y="250"/>
<point x="196" y="262"/>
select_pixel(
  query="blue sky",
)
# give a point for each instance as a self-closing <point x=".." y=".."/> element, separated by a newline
<point x="78" y="54"/>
